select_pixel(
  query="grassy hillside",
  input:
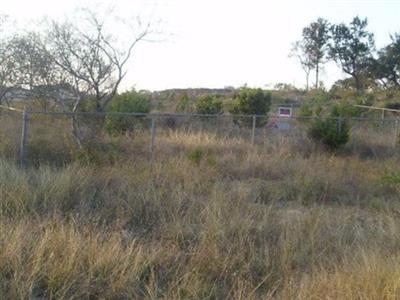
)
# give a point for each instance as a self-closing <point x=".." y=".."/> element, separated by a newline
<point x="210" y="217"/>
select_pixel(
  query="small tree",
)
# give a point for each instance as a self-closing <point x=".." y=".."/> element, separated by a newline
<point x="345" y="109"/>
<point x="327" y="132"/>
<point x="249" y="101"/>
<point x="128" y="102"/>
<point x="209" y="105"/>
<point x="315" y="41"/>
<point x="299" y="51"/>
<point x="332" y="132"/>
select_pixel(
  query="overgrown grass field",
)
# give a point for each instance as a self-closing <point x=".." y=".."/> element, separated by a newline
<point x="207" y="218"/>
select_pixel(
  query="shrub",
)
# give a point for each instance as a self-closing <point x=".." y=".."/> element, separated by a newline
<point x="305" y="110"/>
<point x="393" y="105"/>
<point x="87" y="105"/>
<point x="391" y="179"/>
<point x="209" y="105"/>
<point x="128" y="102"/>
<point x="319" y="96"/>
<point x="332" y="133"/>
<point x="346" y="110"/>
<point x="183" y="103"/>
<point x="251" y="102"/>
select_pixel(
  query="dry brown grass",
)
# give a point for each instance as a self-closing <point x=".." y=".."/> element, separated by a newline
<point x="209" y="218"/>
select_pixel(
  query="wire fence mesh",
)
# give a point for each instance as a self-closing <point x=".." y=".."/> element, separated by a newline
<point x="10" y="133"/>
<point x="60" y="138"/>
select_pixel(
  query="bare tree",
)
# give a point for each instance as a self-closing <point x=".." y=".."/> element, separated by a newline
<point x="35" y="70"/>
<point x="299" y="51"/>
<point x="91" y="57"/>
<point x="7" y="75"/>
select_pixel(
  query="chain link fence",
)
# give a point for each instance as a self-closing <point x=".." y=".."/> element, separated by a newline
<point x="10" y="133"/>
<point x="59" y="138"/>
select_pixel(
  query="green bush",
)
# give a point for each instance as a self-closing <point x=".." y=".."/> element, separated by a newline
<point x="251" y="102"/>
<point x="87" y="105"/>
<point x="332" y="133"/>
<point x="392" y="105"/>
<point x="345" y="109"/>
<point x="305" y="110"/>
<point x="319" y="96"/>
<point x="128" y="102"/>
<point x="391" y="179"/>
<point x="184" y="104"/>
<point x="209" y="105"/>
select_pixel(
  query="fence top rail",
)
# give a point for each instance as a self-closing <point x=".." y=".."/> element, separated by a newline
<point x="378" y="108"/>
<point x="181" y="115"/>
<point x="9" y="108"/>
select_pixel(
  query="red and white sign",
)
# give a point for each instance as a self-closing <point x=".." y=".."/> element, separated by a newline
<point x="285" y="112"/>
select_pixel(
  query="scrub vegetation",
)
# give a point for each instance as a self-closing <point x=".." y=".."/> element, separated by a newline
<point x="218" y="207"/>
<point x="208" y="218"/>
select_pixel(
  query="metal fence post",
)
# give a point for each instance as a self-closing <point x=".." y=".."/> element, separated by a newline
<point x="396" y="133"/>
<point x="253" y="130"/>
<point x="153" y="136"/>
<point x="339" y="126"/>
<point x="24" y="135"/>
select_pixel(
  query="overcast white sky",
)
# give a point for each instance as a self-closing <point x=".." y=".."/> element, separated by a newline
<point x="217" y="43"/>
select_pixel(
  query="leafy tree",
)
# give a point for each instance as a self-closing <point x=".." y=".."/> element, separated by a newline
<point x="209" y="105"/>
<point x="386" y="67"/>
<point x="314" y="44"/>
<point x="343" y="84"/>
<point x="351" y="47"/>
<point x="249" y="101"/>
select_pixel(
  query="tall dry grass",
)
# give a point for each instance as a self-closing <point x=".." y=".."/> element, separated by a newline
<point x="210" y="217"/>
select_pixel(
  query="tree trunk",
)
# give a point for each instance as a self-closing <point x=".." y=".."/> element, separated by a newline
<point x="317" y="76"/>
<point x="358" y="84"/>
<point x="76" y="131"/>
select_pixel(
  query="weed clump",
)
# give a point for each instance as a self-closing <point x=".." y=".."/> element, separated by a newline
<point x="196" y="155"/>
